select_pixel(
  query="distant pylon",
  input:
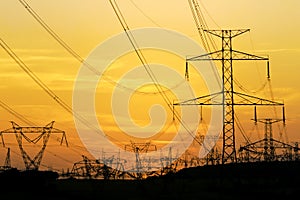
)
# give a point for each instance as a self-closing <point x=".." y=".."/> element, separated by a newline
<point x="265" y="149"/>
<point x="139" y="148"/>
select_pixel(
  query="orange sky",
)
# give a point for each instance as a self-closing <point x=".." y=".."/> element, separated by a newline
<point x="83" y="25"/>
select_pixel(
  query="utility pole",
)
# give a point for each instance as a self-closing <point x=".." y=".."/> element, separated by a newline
<point x="230" y="98"/>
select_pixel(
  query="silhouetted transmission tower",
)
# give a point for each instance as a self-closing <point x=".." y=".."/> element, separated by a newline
<point x="41" y="133"/>
<point x="230" y="98"/>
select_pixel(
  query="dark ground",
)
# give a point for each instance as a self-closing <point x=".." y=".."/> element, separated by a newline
<point x="264" y="180"/>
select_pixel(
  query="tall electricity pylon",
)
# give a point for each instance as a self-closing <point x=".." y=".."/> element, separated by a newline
<point x="230" y="98"/>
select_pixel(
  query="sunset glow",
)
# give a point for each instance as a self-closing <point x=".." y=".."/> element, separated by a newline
<point x="84" y="25"/>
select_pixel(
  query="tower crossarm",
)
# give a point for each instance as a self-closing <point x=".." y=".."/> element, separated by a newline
<point x="217" y="55"/>
<point x="240" y="99"/>
<point x="229" y="33"/>
<point x="42" y="131"/>
<point x="210" y="99"/>
<point x="260" y="144"/>
<point x="254" y="145"/>
<point x="239" y="55"/>
<point x="140" y="147"/>
<point x="250" y="148"/>
<point x="245" y="99"/>
<point x="279" y="144"/>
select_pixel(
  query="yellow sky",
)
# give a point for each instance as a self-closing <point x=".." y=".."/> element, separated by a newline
<point x="83" y="25"/>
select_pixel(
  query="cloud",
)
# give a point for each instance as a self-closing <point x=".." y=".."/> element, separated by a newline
<point x="289" y="94"/>
<point x="276" y="50"/>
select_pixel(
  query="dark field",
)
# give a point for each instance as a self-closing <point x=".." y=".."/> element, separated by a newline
<point x="264" y="180"/>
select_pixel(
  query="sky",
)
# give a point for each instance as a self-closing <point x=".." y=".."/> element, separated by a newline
<point x="86" y="25"/>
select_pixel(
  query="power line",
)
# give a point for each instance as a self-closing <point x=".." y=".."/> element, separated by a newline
<point x="14" y="113"/>
<point x="143" y="60"/>
<point x="242" y="130"/>
<point x="261" y="88"/>
<point x="141" y="11"/>
<point x="36" y="16"/>
<point x="44" y="87"/>
<point x="29" y="122"/>
<point x="38" y="81"/>
<point x="212" y="19"/>
<point x="206" y="39"/>
<point x="25" y="120"/>
<point x="80" y="59"/>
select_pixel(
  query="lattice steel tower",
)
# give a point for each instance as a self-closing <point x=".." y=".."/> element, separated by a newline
<point x="43" y="133"/>
<point x="229" y="97"/>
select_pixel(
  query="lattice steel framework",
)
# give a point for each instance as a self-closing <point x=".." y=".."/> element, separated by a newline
<point x="43" y="132"/>
<point x="139" y="148"/>
<point x="267" y="148"/>
<point x="230" y="98"/>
